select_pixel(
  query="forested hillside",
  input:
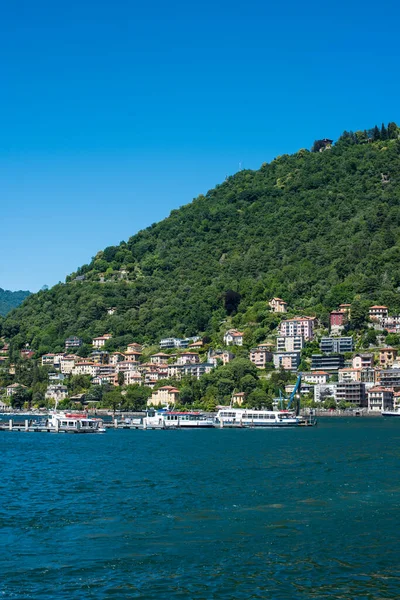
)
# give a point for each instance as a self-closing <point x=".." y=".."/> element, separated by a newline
<point x="10" y="300"/>
<point x="316" y="228"/>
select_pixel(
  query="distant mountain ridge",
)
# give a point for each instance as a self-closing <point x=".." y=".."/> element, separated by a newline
<point x="10" y="300"/>
<point x="316" y="228"/>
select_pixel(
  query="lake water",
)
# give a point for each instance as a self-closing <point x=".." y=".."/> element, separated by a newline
<point x="292" y="514"/>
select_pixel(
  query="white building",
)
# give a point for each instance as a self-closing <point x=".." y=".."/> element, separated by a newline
<point x="380" y="398"/>
<point x="325" y="390"/>
<point x="85" y="368"/>
<point x="290" y="343"/>
<point x="315" y="377"/>
<point x="100" y="341"/>
<point x="298" y="326"/>
<point x="67" y="363"/>
<point x="233" y="337"/>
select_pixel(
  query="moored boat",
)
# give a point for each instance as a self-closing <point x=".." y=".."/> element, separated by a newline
<point x="246" y="417"/>
<point x="64" y="422"/>
<point x="177" y="420"/>
<point x="390" y="413"/>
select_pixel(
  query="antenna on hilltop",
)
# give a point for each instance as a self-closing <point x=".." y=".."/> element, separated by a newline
<point x="240" y="165"/>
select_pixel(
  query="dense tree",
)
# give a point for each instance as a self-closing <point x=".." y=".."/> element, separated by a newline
<point x="315" y="228"/>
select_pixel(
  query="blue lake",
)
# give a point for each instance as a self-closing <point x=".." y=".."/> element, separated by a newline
<point x="292" y="514"/>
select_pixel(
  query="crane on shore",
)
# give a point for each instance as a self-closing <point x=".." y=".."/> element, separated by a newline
<point x="294" y="396"/>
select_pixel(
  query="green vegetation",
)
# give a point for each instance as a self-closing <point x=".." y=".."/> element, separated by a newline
<point x="316" y="228"/>
<point x="10" y="300"/>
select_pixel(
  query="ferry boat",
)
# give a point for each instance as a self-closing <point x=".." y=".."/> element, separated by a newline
<point x="177" y="420"/>
<point x="243" y="417"/>
<point x="64" y="422"/>
<point x="390" y="413"/>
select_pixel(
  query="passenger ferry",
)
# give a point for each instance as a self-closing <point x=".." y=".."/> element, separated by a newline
<point x="63" y="422"/>
<point x="177" y="420"/>
<point x="243" y="417"/>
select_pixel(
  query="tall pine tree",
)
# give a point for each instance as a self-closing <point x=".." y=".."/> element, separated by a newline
<point x="376" y="136"/>
<point x="384" y="133"/>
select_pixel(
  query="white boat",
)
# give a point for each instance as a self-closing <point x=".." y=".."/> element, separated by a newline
<point x="177" y="420"/>
<point x="246" y="417"/>
<point x="390" y="413"/>
<point x="64" y="422"/>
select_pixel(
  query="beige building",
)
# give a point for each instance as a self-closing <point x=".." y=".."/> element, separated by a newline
<point x="188" y="358"/>
<point x="160" y="358"/>
<point x="387" y="357"/>
<point x="67" y="363"/>
<point x="278" y="305"/>
<point x="85" y="368"/>
<point x="238" y="398"/>
<point x="349" y="374"/>
<point x="164" y="396"/>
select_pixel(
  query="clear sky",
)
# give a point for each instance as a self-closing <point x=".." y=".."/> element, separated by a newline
<point x="112" y="113"/>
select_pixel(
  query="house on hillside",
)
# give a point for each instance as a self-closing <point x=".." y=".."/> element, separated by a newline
<point x="260" y="357"/>
<point x="387" y="357"/>
<point x="298" y="326"/>
<point x="278" y="305"/>
<point x="73" y="342"/>
<point x="56" y="392"/>
<point x="160" y="358"/>
<point x="100" y="341"/>
<point x="378" y="312"/>
<point x="233" y="337"/>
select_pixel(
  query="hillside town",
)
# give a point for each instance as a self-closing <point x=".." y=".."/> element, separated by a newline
<point x="335" y="372"/>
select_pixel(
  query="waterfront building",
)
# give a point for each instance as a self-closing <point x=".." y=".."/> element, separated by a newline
<point x="56" y="392"/>
<point x="329" y="345"/>
<point x="380" y="398"/>
<point x="322" y="391"/>
<point x="238" y="398"/>
<point x="12" y="389"/>
<point x="351" y="391"/>
<point x="327" y="362"/>
<point x="164" y="396"/>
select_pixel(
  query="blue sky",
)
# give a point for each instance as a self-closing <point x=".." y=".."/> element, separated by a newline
<point x="114" y="113"/>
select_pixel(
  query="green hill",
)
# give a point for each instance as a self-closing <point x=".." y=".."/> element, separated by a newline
<point x="10" y="300"/>
<point x="316" y="228"/>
